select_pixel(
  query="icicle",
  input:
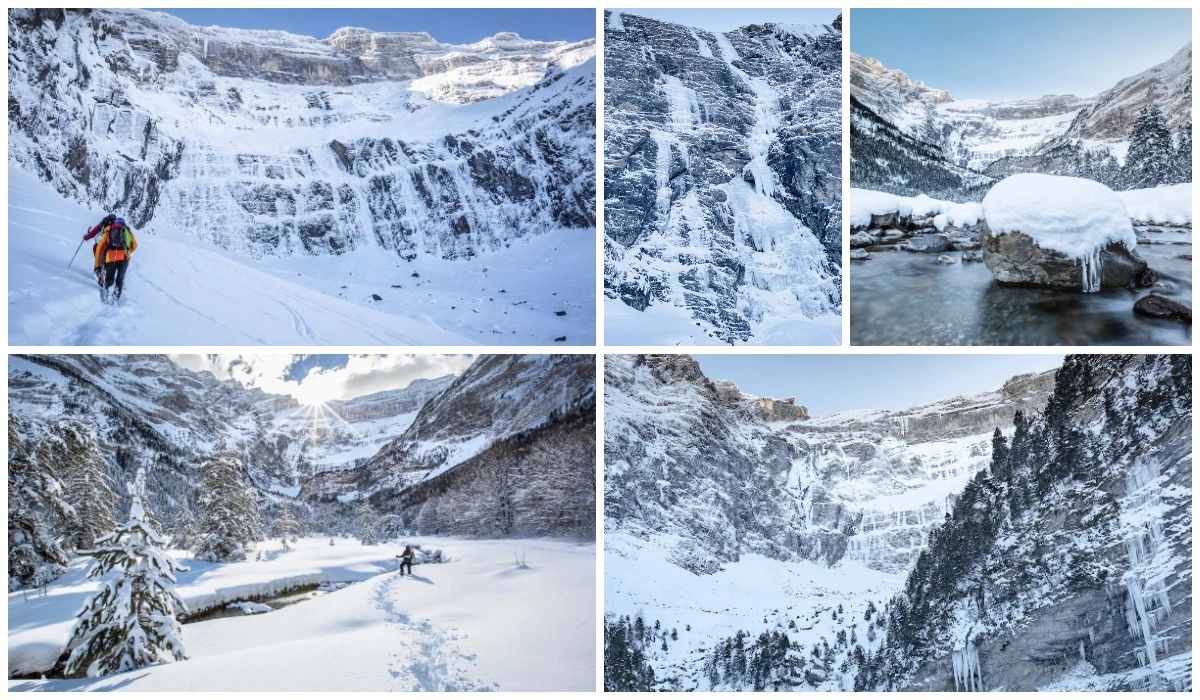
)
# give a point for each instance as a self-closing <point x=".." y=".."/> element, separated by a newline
<point x="1091" y="271"/>
<point x="1082" y="653"/>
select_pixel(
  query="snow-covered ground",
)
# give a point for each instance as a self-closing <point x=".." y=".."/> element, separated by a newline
<point x="1168" y="204"/>
<point x="662" y="324"/>
<point x="866" y="203"/>
<point x="182" y="291"/>
<point x="755" y="594"/>
<point x="476" y="622"/>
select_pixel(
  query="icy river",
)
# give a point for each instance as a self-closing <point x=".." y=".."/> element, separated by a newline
<point x="902" y="298"/>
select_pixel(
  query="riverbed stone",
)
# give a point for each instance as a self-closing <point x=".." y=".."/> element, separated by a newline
<point x="928" y="243"/>
<point x="1158" y="306"/>
<point x="1016" y="259"/>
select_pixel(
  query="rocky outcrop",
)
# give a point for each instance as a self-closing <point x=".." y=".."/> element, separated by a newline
<point x="722" y="171"/>
<point x="1016" y="259"/>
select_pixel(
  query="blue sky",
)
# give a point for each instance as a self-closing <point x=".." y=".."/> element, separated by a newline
<point x="728" y="20"/>
<point x="830" y="383"/>
<point x="1015" y="53"/>
<point x="453" y="26"/>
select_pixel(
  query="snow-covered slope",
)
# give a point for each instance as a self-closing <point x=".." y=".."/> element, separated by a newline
<point x="366" y="163"/>
<point x="477" y="622"/>
<point x="722" y="178"/>
<point x="909" y="138"/>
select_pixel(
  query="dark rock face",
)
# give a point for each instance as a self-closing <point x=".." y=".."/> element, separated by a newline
<point x="1111" y="604"/>
<point x="722" y="171"/>
<point x="1157" y="306"/>
<point x="261" y="143"/>
<point x="1016" y="259"/>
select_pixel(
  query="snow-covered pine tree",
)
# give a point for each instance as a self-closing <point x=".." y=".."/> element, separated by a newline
<point x="71" y="449"/>
<point x="34" y="494"/>
<point x="285" y="527"/>
<point x="183" y="530"/>
<point x="229" y="517"/>
<point x="366" y="523"/>
<point x="130" y="621"/>
<point x="1183" y="155"/>
<point x="1151" y="157"/>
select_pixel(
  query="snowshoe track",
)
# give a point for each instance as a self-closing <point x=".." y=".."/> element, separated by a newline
<point x="427" y="658"/>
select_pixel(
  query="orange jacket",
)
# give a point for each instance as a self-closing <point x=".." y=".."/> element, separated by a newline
<point x="103" y="254"/>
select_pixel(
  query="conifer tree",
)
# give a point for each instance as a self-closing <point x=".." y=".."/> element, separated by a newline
<point x="1183" y="155"/>
<point x="130" y="621"/>
<point x="285" y="527"/>
<point x="183" y="530"/>
<point x="1151" y="157"/>
<point x="34" y="494"/>
<point x="71" y="450"/>
<point x="366" y="523"/>
<point x="229" y="517"/>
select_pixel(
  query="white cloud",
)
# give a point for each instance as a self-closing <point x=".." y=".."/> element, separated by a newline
<point x="361" y="375"/>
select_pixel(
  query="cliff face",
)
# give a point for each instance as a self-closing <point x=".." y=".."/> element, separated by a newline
<point x="730" y="475"/>
<point x="270" y="144"/>
<point x="1067" y="564"/>
<point x="722" y="171"/>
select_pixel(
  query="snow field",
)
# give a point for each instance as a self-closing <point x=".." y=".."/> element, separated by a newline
<point x="183" y="291"/>
<point x="477" y="622"/>
<point x="866" y="203"/>
<point x="1168" y="204"/>
<point x="640" y="580"/>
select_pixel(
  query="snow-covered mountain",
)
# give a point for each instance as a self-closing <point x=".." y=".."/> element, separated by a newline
<point x="149" y="411"/>
<point x="724" y="525"/>
<point x="722" y="180"/>
<point x="699" y="462"/>
<point x="274" y="144"/>
<point x="393" y="150"/>
<point x="909" y="138"/>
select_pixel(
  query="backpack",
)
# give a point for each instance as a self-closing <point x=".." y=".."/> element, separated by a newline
<point x="117" y="237"/>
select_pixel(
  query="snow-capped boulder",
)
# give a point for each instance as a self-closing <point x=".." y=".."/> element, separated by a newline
<point x="1060" y="232"/>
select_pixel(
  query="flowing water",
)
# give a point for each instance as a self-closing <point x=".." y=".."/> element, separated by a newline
<point x="902" y="298"/>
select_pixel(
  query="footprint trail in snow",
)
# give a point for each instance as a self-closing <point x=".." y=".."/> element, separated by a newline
<point x="427" y="657"/>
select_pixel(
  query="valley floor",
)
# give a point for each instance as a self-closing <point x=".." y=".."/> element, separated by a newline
<point x="755" y="594"/>
<point x="475" y="622"/>
<point x="181" y="291"/>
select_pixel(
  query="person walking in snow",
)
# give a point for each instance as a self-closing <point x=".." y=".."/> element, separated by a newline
<point x="112" y="253"/>
<point x="95" y="231"/>
<point x="406" y="559"/>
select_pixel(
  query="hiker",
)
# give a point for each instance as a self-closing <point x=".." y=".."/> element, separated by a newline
<point x="112" y="252"/>
<point x="406" y="559"/>
<point x="95" y="231"/>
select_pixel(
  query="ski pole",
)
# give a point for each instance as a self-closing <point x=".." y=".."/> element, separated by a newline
<point x="77" y="248"/>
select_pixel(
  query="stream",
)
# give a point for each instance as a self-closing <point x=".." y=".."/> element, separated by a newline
<point x="902" y="298"/>
<point x="276" y="601"/>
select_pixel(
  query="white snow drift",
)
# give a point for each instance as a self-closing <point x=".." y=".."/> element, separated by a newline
<point x="478" y="622"/>
<point x="867" y="203"/>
